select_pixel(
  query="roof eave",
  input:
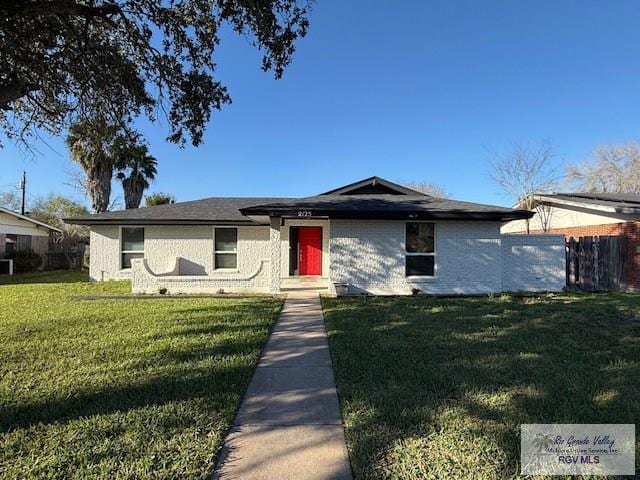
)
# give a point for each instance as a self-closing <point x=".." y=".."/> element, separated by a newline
<point x="553" y="200"/>
<point x="392" y="215"/>
<point x="159" y="222"/>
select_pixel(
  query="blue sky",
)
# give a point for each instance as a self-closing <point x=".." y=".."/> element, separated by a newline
<point x="418" y="90"/>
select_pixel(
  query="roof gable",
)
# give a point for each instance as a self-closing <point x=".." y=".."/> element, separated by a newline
<point x="373" y="186"/>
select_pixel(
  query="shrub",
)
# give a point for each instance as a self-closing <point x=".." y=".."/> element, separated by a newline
<point x="25" y="261"/>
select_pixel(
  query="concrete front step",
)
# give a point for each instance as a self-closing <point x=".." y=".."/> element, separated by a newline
<point x="304" y="283"/>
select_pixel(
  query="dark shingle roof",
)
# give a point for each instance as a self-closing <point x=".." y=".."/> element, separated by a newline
<point x="386" y="206"/>
<point x="403" y="203"/>
<point x="209" y="210"/>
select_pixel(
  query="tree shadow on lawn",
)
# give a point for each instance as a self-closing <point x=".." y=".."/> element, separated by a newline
<point x="46" y="276"/>
<point x="474" y="370"/>
<point x="216" y="383"/>
<point x="195" y="328"/>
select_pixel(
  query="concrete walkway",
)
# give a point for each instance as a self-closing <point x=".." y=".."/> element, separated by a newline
<point x="288" y="425"/>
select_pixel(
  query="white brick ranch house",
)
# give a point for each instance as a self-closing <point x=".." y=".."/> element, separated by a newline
<point x="373" y="235"/>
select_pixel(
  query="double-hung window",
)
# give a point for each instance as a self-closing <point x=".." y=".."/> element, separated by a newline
<point x="226" y="247"/>
<point x="131" y="246"/>
<point x="420" y="245"/>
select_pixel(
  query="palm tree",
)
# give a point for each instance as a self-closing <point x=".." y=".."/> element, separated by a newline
<point x="90" y="143"/>
<point x="542" y="441"/>
<point x="136" y="169"/>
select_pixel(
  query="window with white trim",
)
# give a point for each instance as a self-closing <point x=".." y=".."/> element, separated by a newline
<point x="131" y="245"/>
<point x="226" y="247"/>
<point x="420" y="245"/>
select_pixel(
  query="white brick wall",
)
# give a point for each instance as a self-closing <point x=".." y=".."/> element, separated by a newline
<point x="104" y="257"/>
<point x="370" y="256"/>
<point x="144" y="281"/>
<point x="193" y="245"/>
<point x="471" y="258"/>
<point x="533" y="263"/>
<point x="275" y="263"/>
<point x="163" y="244"/>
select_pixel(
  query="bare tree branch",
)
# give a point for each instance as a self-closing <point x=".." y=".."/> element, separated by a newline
<point x="428" y="188"/>
<point x="525" y="170"/>
<point x="611" y="169"/>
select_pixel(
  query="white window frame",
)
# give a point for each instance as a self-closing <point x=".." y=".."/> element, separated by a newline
<point x="422" y="254"/>
<point x="144" y="241"/>
<point x="216" y="252"/>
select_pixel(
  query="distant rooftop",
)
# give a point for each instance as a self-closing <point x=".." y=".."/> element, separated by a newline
<point x="26" y="218"/>
<point x="618" y="202"/>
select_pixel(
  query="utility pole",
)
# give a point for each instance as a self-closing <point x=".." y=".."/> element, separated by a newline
<point x="23" y="187"/>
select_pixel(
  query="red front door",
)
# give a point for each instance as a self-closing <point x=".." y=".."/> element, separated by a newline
<point x="310" y="250"/>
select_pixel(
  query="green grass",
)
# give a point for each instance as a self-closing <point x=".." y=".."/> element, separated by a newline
<point x="120" y="389"/>
<point x="438" y="388"/>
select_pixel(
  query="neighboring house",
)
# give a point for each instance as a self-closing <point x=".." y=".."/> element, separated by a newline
<point x="20" y="232"/>
<point x="588" y="214"/>
<point x="373" y="235"/>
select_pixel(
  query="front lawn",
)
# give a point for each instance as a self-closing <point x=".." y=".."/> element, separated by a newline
<point x="120" y="388"/>
<point x="438" y="388"/>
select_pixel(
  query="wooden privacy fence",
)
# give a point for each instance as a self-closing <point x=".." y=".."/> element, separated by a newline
<point x="66" y="254"/>
<point x="596" y="263"/>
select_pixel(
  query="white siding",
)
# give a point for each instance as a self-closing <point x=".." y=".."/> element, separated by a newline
<point x="17" y="226"/>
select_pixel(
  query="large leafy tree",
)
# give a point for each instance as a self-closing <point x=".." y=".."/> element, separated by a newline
<point x="136" y="168"/>
<point x="53" y="208"/>
<point x="92" y="146"/>
<point x="67" y="60"/>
